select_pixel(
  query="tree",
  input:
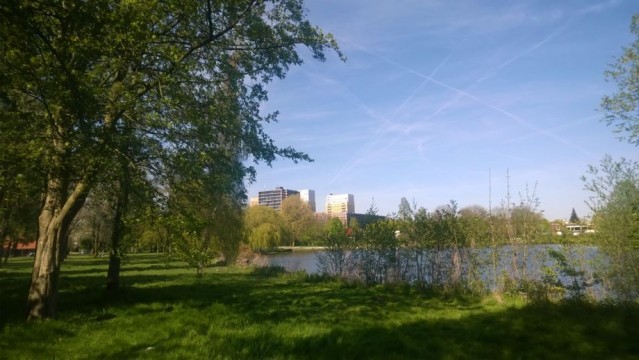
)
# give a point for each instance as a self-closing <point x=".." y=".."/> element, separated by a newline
<point x="372" y="210"/>
<point x="299" y="218"/>
<point x="615" y="203"/>
<point x="335" y="229"/>
<point x="334" y="260"/>
<point x="475" y="223"/>
<point x="621" y="109"/>
<point x="86" y="74"/>
<point x="92" y="227"/>
<point x="266" y="228"/>
<point x="379" y="259"/>
<point x="206" y="193"/>
<point x="131" y="195"/>
<point x="204" y="229"/>
<point x="614" y="214"/>
<point x="21" y="178"/>
<point x="405" y="211"/>
<point x="574" y="219"/>
<point x="528" y="223"/>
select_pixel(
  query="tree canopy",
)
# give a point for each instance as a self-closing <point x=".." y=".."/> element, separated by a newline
<point x="614" y="188"/>
<point x="154" y="84"/>
<point x="574" y="219"/>
<point x="266" y="228"/>
<point x="621" y="109"/>
<point x="299" y="218"/>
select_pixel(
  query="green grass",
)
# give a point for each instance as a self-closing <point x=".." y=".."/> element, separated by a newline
<point x="165" y="312"/>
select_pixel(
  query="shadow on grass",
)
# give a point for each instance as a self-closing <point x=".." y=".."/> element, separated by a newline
<point x="531" y="333"/>
<point x="82" y="283"/>
<point x="513" y="333"/>
<point x="265" y="314"/>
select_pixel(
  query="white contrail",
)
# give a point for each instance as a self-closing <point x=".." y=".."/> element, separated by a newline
<point x="389" y="121"/>
<point x="536" y="46"/>
<point x="487" y="104"/>
<point x="407" y="128"/>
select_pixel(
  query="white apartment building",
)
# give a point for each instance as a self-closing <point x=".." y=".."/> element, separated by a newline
<point x="308" y="196"/>
<point x="339" y="205"/>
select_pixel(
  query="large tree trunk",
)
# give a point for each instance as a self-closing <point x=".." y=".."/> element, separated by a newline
<point x="53" y="223"/>
<point x="113" y="274"/>
<point x="3" y="234"/>
<point x="96" y="227"/>
<point x="97" y="232"/>
<point x="11" y="248"/>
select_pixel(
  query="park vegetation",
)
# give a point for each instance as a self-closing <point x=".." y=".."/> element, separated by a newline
<point x="131" y="127"/>
<point x="115" y="102"/>
<point x="165" y="312"/>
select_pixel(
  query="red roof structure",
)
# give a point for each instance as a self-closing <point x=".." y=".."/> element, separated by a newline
<point x="21" y="248"/>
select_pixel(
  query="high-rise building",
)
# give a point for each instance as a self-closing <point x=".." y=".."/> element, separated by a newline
<point x="308" y="196"/>
<point x="340" y="205"/>
<point x="274" y="198"/>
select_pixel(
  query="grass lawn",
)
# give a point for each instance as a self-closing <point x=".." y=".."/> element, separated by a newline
<point x="165" y="312"/>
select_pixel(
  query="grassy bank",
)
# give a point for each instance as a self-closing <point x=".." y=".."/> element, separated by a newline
<point x="164" y="311"/>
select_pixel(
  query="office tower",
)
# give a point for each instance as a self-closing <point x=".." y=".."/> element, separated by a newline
<point x="274" y="198"/>
<point x="340" y="205"/>
<point x="308" y="196"/>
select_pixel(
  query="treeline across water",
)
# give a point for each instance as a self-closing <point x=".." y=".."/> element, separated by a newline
<point x="509" y="252"/>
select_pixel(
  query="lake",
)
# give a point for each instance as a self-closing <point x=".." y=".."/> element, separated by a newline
<point x="296" y="260"/>
<point x="533" y="262"/>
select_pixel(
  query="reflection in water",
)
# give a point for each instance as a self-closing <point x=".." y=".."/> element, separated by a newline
<point x="296" y="260"/>
<point x="516" y="262"/>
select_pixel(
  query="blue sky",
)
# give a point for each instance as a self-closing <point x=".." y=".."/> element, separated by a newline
<point x="437" y="94"/>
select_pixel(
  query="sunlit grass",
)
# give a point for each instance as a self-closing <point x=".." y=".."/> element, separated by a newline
<point x="165" y="311"/>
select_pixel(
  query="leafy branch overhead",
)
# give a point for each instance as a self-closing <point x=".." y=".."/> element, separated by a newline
<point x="166" y="92"/>
<point x="621" y="109"/>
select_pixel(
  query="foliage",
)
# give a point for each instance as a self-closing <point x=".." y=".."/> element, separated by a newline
<point x="204" y="226"/>
<point x="405" y="211"/>
<point x="578" y="281"/>
<point x="621" y="109"/>
<point x="528" y="224"/>
<point x="429" y="249"/>
<point x="574" y="219"/>
<point x="91" y="229"/>
<point x="334" y="260"/>
<point x="102" y="81"/>
<point x="299" y="218"/>
<point x="372" y="210"/>
<point x="269" y="271"/>
<point x="167" y="314"/>
<point x="475" y="223"/>
<point x="615" y="202"/>
<point x="377" y="255"/>
<point x="21" y="178"/>
<point x="266" y="228"/>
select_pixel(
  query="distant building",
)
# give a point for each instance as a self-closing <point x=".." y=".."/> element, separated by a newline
<point x="363" y="219"/>
<point x="578" y="229"/>
<point x="339" y="206"/>
<point x="254" y="201"/>
<point x="19" y="248"/>
<point x="274" y="198"/>
<point x="308" y="196"/>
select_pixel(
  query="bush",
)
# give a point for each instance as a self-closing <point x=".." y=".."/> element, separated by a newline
<point x="268" y="271"/>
